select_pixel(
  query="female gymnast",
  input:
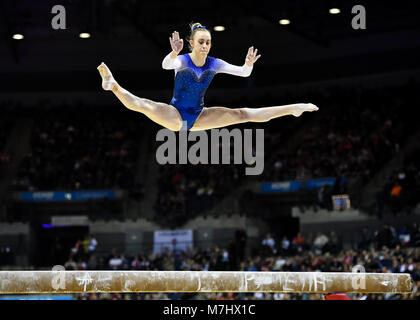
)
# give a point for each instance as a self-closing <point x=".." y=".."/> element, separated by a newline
<point x="193" y="74"/>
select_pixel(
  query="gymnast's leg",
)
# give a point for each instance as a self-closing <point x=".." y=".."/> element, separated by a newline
<point x="217" y="117"/>
<point x="161" y="113"/>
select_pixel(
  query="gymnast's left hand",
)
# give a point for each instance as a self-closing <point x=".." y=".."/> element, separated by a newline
<point x="251" y="56"/>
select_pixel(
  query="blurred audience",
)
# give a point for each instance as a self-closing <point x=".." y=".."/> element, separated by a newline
<point x="355" y="132"/>
<point x="6" y="126"/>
<point x="400" y="192"/>
<point x="74" y="152"/>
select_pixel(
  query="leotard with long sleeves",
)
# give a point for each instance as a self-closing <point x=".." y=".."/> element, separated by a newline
<point x="191" y="82"/>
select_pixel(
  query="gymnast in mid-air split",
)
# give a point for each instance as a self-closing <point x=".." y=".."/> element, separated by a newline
<point x="193" y="74"/>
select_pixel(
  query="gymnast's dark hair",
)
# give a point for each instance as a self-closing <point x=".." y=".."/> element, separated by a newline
<point x="194" y="27"/>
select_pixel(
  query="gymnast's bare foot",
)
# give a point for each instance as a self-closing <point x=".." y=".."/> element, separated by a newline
<point x="302" y="107"/>
<point x="108" y="81"/>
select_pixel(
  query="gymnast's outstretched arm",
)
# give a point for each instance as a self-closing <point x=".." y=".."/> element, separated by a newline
<point x="172" y="61"/>
<point x="241" y="71"/>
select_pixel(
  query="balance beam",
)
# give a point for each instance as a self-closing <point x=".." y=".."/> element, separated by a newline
<point x="31" y="282"/>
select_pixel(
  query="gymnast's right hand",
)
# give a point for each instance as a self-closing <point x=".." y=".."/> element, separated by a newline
<point x="176" y="43"/>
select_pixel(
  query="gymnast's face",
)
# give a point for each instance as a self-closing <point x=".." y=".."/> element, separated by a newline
<point x="201" y="43"/>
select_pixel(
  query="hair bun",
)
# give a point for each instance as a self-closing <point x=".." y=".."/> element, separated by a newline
<point x="194" y="25"/>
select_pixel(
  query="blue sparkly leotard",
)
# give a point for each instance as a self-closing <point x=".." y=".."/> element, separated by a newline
<point x="191" y="83"/>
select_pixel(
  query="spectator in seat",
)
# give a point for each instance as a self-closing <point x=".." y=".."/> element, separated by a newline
<point x="268" y="246"/>
<point x="319" y="242"/>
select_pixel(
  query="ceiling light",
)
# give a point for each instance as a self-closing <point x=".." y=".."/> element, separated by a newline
<point x="219" y="28"/>
<point x="18" y="36"/>
<point x="84" y="35"/>
<point x="284" y="21"/>
<point x="334" y="11"/>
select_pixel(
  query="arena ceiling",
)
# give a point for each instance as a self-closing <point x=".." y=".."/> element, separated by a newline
<point x="132" y="37"/>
